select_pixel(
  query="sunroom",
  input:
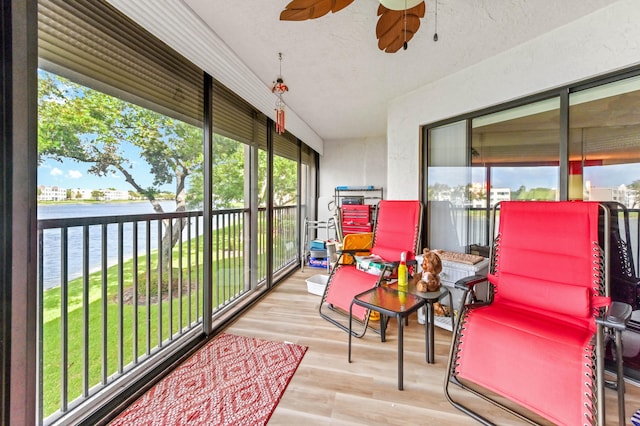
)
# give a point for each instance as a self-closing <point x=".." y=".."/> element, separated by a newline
<point x="177" y="101"/>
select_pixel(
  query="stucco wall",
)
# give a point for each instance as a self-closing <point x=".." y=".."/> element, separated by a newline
<point x="604" y="41"/>
<point x="353" y="162"/>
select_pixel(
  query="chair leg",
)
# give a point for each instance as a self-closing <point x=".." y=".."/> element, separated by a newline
<point x="620" y="379"/>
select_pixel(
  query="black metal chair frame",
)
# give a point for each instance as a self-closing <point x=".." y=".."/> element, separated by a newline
<point x="613" y="319"/>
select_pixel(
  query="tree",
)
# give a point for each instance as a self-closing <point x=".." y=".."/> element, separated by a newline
<point x="97" y="194"/>
<point x="85" y="125"/>
<point x="285" y="182"/>
<point x="635" y="187"/>
<point x="228" y="177"/>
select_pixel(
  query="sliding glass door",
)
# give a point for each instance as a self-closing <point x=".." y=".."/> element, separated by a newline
<point x="604" y="165"/>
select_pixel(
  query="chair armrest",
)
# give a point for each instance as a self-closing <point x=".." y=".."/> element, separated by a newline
<point x="352" y="251"/>
<point x="467" y="283"/>
<point x="350" y="255"/>
<point x="616" y="316"/>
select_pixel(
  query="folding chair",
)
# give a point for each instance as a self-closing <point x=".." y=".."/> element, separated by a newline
<point x="538" y="343"/>
<point x="397" y="229"/>
<point x="625" y="285"/>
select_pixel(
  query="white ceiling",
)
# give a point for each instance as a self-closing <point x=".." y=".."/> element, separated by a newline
<point x="339" y="82"/>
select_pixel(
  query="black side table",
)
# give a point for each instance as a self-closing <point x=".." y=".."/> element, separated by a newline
<point x="392" y="303"/>
<point x="430" y="298"/>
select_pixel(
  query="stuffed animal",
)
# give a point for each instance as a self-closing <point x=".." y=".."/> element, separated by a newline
<point x="429" y="278"/>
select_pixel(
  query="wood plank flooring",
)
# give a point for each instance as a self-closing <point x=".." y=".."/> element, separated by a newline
<point x="327" y="390"/>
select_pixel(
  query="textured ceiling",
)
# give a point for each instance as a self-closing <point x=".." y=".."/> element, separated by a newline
<point x="339" y="82"/>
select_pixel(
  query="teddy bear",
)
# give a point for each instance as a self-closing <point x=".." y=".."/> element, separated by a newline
<point x="428" y="279"/>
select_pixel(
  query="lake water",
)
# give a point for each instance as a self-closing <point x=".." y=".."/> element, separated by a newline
<point x="51" y="246"/>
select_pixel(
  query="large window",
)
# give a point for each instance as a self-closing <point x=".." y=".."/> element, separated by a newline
<point x="588" y="148"/>
<point x="146" y="242"/>
<point x="604" y="148"/>
<point x="576" y="143"/>
<point x="513" y="154"/>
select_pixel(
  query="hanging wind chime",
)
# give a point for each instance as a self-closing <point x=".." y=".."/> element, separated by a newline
<point x="279" y="88"/>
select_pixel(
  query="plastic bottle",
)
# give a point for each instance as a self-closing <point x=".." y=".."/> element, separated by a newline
<point x="403" y="273"/>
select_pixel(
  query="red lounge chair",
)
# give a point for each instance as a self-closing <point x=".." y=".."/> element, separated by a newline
<point x="397" y="229"/>
<point x="538" y="341"/>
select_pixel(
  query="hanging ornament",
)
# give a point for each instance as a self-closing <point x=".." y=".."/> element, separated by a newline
<point x="279" y="88"/>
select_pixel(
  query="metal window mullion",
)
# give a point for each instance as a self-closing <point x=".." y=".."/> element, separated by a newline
<point x="40" y="406"/>
<point x="170" y="277"/>
<point x="226" y="275"/>
<point x="135" y="291"/>
<point x="216" y="292"/>
<point x="197" y="250"/>
<point x="189" y="275"/>
<point x="180" y="254"/>
<point x="207" y="219"/>
<point x="148" y="284"/>
<point x="239" y="251"/>
<point x="563" y="181"/>
<point x="105" y="306"/>
<point x="120" y="298"/>
<point x="64" y="320"/>
<point x="85" y="310"/>
<point x="160" y="273"/>
<point x="277" y="228"/>
<point x="234" y="259"/>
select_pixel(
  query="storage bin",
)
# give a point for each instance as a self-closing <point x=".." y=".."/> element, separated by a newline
<point x="317" y="262"/>
<point x="353" y="200"/>
<point x="318" y="253"/>
<point x="317" y="245"/>
<point x="317" y="283"/>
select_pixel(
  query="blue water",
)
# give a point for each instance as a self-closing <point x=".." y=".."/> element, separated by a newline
<point x="51" y="274"/>
<point x="56" y="211"/>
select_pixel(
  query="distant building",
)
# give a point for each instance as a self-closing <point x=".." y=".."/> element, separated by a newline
<point x="115" y="194"/>
<point x="496" y="194"/>
<point x="55" y="193"/>
<point x="500" y="194"/>
<point x="80" y="194"/>
<point x="51" y="193"/>
<point x="619" y="194"/>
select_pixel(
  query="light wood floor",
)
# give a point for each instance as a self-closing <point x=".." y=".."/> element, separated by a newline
<point x="327" y="390"/>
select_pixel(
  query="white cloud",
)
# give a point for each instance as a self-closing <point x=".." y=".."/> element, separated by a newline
<point x="74" y="174"/>
<point x="56" y="172"/>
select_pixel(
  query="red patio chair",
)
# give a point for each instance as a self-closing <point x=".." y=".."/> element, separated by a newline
<point x="397" y="229"/>
<point x="537" y="343"/>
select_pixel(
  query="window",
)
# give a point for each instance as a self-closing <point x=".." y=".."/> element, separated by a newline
<point x="118" y="101"/>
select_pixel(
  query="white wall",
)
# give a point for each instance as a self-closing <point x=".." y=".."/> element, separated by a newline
<point x="353" y="162"/>
<point x="604" y="41"/>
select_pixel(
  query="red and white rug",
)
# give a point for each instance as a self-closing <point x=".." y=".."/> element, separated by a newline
<point x="233" y="380"/>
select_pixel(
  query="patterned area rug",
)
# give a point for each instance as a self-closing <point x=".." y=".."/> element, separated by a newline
<point x="233" y="380"/>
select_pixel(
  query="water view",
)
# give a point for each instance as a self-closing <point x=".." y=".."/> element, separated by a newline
<point x="52" y="237"/>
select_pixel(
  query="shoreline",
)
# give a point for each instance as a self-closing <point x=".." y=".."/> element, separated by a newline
<point x="84" y="202"/>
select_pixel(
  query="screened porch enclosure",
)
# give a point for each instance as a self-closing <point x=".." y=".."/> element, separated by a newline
<point x="123" y="295"/>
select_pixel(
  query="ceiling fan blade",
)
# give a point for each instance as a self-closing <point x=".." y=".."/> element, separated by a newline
<point x="301" y="10"/>
<point x="391" y="30"/>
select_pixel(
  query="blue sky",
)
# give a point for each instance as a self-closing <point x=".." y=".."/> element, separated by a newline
<point x="610" y="176"/>
<point x="72" y="174"/>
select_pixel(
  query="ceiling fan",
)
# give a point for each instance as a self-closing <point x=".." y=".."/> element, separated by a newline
<point x="398" y="20"/>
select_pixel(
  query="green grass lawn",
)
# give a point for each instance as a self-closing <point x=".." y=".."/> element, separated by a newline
<point x="185" y="311"/>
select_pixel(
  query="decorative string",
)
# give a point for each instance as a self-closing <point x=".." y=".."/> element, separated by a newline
<point x="435" y="34"/>
<point x="405" y="45"/>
